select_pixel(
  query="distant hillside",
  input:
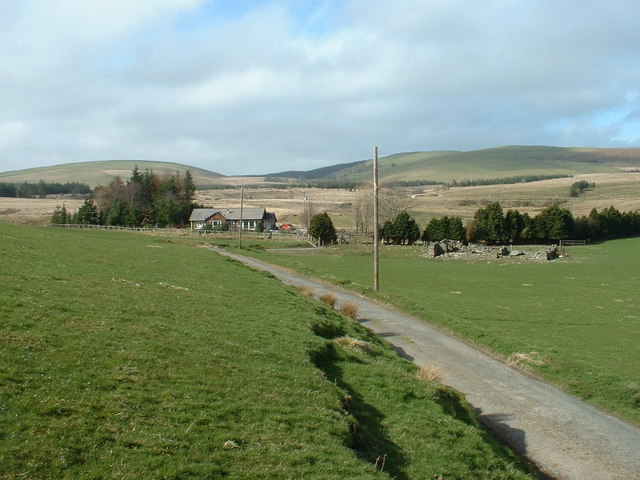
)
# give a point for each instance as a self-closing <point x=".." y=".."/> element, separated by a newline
<point x="100" y="173"/>
<point x="499" y="162"/>
<point x="318" y="173"/>
<point x="435" y="166"/>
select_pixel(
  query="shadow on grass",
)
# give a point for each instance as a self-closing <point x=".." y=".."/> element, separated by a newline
<point x="367" y="432"/>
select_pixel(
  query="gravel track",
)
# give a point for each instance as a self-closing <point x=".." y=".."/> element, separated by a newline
<point x="564" y="437"/>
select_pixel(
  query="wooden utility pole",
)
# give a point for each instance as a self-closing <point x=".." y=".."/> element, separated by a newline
<point x="376" y="234"/>
<point x="241" y="212"/>
<point x="307" y="212"/>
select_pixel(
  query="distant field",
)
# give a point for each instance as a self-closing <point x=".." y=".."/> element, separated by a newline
<point x="135" y="356"/>
<point x="618" y="189"/>
<point x="575" y="321"/>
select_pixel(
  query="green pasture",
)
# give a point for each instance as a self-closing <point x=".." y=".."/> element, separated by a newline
<point x="132" y="356"/>
<point x="574" y="321"/>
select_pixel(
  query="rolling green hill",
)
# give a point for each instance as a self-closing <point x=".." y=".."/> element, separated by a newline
<point x="323" y="172"/>
<point x="101" y="172"/>
<point x="499" y="162"/>
<point x="439" y="166"/>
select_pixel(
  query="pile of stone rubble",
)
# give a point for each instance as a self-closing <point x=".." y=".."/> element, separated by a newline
<point x="452" y="249"/>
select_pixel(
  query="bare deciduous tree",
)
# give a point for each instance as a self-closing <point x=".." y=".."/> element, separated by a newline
<point x="392" y="202"/>
<point x="362" y="209"/>
<point x="307" y="212"/>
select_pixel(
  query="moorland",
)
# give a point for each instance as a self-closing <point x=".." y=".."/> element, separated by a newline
<point x="615" y="173"/>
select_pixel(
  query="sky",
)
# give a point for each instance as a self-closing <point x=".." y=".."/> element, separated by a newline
<point x="245" y="87"/>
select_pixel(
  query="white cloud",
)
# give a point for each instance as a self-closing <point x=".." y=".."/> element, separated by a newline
<point x="246" y="87"/>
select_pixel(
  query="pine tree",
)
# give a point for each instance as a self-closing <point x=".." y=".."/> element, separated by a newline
<point x="60" y="216"/>
<point x="87" y="213"/>
<point x="42" y="189"/>
<point x="115" y="214"/>
<point x="405" y="229"/>
<point x="322" y="228"/>
<point x="490" y="223"/>
<point x="188" y="188"/>
<point x="136" y="176"/>
<point x="554" y="223"/>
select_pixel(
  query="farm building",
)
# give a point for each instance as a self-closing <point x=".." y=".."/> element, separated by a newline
<point x="252" y="219"/>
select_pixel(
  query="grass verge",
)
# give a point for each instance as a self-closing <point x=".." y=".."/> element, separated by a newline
<point x="574" y="321"/>
<point x="130" y="356"/>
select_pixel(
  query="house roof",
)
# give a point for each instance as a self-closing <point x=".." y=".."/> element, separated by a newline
<point x="201" y="214"/>
<point x="233" y="214"/>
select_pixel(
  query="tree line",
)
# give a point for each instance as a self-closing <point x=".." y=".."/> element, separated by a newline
<point x="145" y="199"/>
<point x="505" y="180"/>
<point x="492" y="225"/>
<point x="42" y="188"/>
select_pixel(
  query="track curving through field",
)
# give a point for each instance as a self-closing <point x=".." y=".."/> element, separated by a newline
<point x="564" y="437"/>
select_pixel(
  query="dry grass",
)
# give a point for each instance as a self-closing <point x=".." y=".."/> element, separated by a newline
<point x="522" y="360"/>
<point x="330" y="299"/>
<point x="430" y="373"/>
<point x="34" y="211"/>
<point x="618" y="189"/>
<point x="349" y="309"/>
<point x="306" y="291"/>
<point x="230" y="445"/>
<point x="353" y="344"/>
<point x="172" y="287"/>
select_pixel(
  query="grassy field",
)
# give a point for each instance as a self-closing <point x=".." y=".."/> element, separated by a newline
<point x="575" y="321"/>
<point x="133" y="356"/>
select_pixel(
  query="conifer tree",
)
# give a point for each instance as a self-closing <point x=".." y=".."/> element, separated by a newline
<point x="87" y="213"/>
<point x="405" y="229"/>
<point x="60" y="215"/>
<point x="188" y="187"/>
<point x="322" y="228"/>
<point x="489" y="224"/>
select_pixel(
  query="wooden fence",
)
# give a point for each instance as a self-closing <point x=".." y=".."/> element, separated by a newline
<point x="246" y="234"/>
<point x="572" y="243"/>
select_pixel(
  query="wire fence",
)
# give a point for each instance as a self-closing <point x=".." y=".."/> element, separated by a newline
<point x="344" y="237"/>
